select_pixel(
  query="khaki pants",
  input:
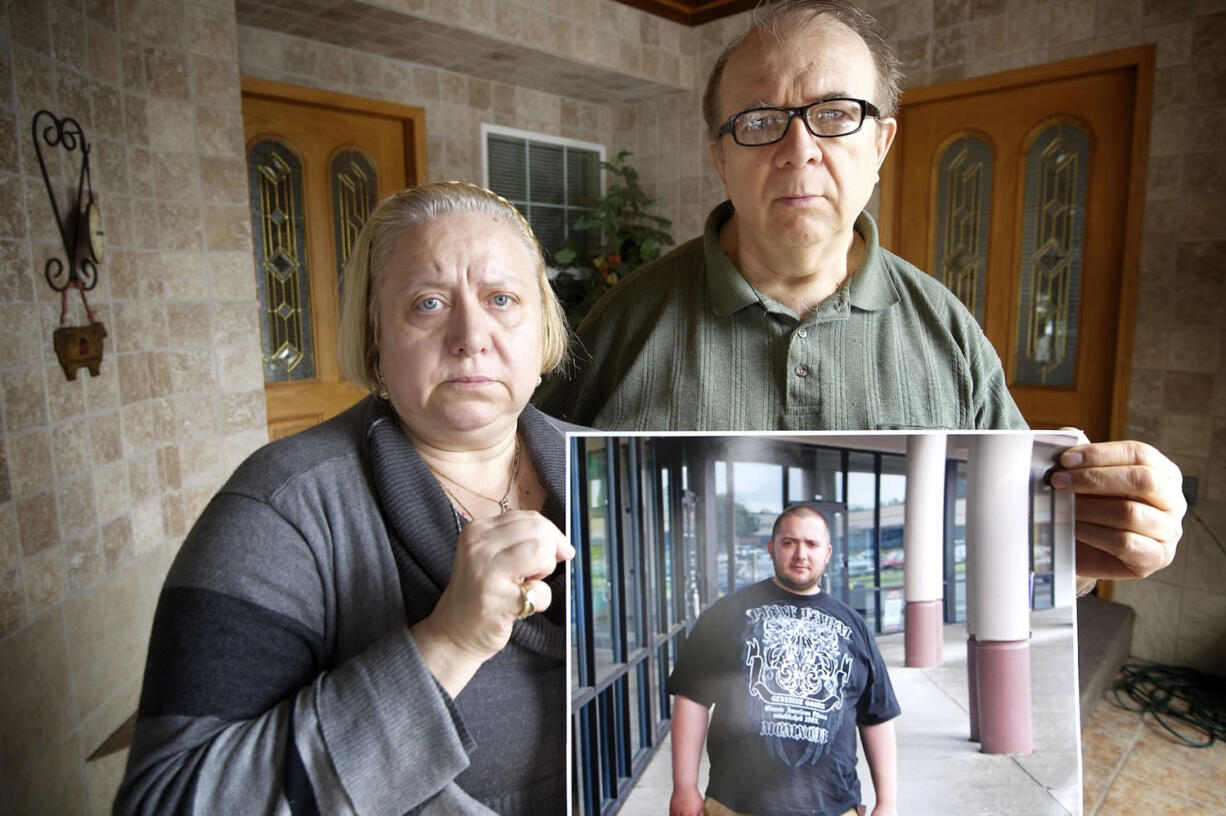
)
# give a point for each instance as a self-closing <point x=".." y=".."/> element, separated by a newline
<point x="712" y="807"/>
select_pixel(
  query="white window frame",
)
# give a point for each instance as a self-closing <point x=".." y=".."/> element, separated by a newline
<point x="533" y="136"/>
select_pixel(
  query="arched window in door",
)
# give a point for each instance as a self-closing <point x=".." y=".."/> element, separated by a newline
<point x="963" y="217"/>
<point x="274" y="176"/>
<point x="1053" y="231"/>
<point x="354" y="187"/>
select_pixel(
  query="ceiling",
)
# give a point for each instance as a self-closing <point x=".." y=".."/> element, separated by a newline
<point x="393" y="29"/>
<point x="744" y="444"/>
<point x="957" y="442"/>
<point x="374" y="27"/>
<point x="691" y="12"/>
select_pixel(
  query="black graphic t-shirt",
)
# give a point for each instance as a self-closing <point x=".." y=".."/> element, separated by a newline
<point x="790" y="676"/>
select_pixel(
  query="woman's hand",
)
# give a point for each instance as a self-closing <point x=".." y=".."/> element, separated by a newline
<point x="473" y="618"/>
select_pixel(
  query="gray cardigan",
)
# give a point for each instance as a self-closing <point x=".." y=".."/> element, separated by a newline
<point x="281" y="675"/>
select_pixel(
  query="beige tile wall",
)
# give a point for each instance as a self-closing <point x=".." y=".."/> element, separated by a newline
<point x="670" y="140"/>
<point x="101" y="475"/>
<point x="456" y="105"/>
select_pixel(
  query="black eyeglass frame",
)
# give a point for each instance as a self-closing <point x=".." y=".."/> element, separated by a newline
<point x="867" y="109"/>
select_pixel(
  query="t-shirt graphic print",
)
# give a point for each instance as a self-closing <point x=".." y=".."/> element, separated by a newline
<point x="799" y="667"/>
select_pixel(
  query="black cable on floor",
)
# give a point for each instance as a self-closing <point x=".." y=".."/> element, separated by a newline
<point x="1187" y="703"/>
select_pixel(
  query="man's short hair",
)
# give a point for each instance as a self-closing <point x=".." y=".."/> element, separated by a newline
<point x="796" y="510"/>
<point x="784" y="17"/>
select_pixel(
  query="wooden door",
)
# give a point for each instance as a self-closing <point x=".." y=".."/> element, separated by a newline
<point x="316" y="165"/>
<point x="1022" y="192"/>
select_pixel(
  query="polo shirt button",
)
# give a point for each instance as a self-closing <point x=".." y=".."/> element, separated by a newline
<point x="802" y="371"/>
<point x="802" y="332"/>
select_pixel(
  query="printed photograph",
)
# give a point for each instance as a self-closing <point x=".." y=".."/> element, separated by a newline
<point x="774" y="623"/>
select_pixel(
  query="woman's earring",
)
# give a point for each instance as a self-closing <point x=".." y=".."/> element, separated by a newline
<point x="382" y="392"/>
<point x="539" y="380"/>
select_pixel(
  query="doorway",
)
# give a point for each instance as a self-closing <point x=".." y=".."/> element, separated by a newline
<point x="317" y="163"/>
<point x="1022" y="192"/>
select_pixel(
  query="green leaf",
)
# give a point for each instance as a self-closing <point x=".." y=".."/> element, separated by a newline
<point x="619" y="223"/>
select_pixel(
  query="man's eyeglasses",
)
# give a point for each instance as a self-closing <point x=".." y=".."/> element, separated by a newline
<point x="826" y="119"/>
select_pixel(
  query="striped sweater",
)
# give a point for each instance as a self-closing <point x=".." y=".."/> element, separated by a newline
<point x="281" y="675"/>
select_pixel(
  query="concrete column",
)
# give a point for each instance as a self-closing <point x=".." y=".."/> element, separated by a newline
<point x="923" y="537"/>
<point x="1004" y="697"/>
<point x="997" y="534"/>
<point x="972" y="642"/>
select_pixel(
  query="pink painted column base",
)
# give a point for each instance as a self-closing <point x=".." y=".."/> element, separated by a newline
<point x="924" y="640"/>
<point x="972" y="684"/>
<point x="1004" y="697"/>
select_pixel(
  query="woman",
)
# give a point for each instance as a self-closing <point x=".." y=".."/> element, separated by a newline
<point x="350" y="625"/>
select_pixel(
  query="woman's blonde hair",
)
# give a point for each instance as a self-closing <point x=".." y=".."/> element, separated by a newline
<point x="367" y="265"/>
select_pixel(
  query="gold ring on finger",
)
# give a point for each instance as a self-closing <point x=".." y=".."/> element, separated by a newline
<point x="528" y="603"/>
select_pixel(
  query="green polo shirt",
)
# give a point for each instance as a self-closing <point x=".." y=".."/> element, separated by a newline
<point x="686" y="343"/>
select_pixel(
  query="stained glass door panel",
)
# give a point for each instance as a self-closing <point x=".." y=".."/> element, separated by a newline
<point x="355" y="185"/>
<point x="1053" y="235"/>
<point x="963" y="219"/>
<point x="317" y="164"/>
<point x="278" y="231"/>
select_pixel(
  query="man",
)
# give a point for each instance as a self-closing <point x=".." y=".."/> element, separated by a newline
<point x="786" y="314"/>
<point x="792" y="673"/>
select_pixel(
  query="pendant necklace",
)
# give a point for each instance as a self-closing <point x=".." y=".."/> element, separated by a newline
<point x="504" y="503"/>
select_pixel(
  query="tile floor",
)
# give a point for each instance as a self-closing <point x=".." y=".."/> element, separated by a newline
<point x="1131" y="767"/>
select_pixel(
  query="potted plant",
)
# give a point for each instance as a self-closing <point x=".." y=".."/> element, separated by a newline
<point x="620" y="234"/>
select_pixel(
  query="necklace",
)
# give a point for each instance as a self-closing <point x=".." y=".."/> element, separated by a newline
<point x="504" y="502"/>
<point x="463" y="511"/>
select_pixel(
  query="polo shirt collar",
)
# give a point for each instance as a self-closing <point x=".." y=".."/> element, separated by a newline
<point x="869" y="289"/>
<point x="870" y="286"/>
<point x="730" y="292"/>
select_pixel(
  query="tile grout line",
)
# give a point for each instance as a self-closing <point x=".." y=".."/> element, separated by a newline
<point x="1050" y="794"/>
<point x="1136" y="735"/>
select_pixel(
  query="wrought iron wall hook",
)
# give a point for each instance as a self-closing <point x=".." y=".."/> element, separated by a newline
<point x="76" y="346"/>
<point x="81" y="273"/>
